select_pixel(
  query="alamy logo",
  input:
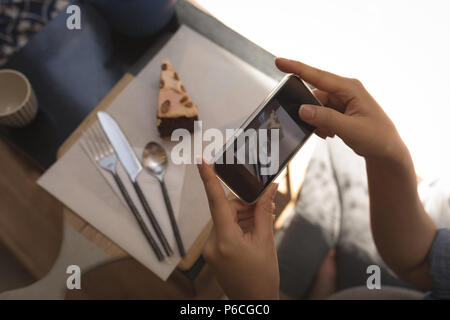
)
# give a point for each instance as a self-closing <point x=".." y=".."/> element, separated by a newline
<point x="73" y="21"/>
<point x="257" y="148"/>
<point x="374" y="280"/>
<point x="74" y="280"/>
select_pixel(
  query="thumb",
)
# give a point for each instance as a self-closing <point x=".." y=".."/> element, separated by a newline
<point x="324" y="117"/>
<point x="263" y="221"/>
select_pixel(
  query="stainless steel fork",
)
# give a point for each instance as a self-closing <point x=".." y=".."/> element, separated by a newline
<point x="97" y="147"/>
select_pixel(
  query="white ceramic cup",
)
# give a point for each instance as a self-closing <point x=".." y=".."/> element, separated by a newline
<point x="18" y="104"/>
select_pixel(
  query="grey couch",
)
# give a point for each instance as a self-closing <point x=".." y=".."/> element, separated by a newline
<point x="333" y="211"/>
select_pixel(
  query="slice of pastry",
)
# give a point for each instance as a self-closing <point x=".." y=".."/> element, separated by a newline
<point x="175" y="108"/>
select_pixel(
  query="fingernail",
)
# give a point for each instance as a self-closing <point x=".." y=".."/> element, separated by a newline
<point x="199" y="161"/>
<point x="273" y="205"/>
<point x="205" y="162"/>
<point x="307" y="112"/>
<point x="282" y="59"/>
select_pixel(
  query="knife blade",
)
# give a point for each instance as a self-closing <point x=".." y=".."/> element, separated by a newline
<point x="121" y="145"/>
<point x="133" y="167"/>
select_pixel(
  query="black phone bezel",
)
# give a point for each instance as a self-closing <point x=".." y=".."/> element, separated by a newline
<point x="235" y="176"/>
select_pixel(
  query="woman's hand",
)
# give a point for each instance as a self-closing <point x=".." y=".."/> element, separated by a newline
<point x="245" y="263"/>
<point x="402" y="230"/>
<point x="350" y="112"/>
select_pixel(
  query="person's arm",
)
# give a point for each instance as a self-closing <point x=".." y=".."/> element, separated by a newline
<point x="402" y="230"/>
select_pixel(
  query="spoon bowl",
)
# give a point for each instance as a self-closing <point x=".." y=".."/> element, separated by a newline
<point x="154" y="159"/>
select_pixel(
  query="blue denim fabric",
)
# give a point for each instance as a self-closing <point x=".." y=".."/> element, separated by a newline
<point x="439" y="258"/>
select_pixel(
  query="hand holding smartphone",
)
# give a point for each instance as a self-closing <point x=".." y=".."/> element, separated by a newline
<point x="267" y="141"/>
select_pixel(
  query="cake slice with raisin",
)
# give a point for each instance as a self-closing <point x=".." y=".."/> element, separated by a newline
<point x="175" y="108"/>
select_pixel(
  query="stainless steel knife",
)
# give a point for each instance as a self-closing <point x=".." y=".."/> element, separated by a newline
<point x="133" y="167"/>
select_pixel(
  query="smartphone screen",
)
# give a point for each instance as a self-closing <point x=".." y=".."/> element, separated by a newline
<point x="267" y="143"/>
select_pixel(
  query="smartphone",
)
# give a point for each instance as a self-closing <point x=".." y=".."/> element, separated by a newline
<point x="265" y="143"/>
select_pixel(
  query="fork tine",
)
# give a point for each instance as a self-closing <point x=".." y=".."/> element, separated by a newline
<point x="91" y="144"/>
<point x="100" y="138"/>
<point x="85" y="144"/>
<point x="95" y="143"/>
<point x="105" y="140"/>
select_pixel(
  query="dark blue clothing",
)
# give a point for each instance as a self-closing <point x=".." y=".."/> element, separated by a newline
<point x="439" y="258"/>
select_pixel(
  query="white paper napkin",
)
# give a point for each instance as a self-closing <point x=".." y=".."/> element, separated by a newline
<point x="152" y="191"/>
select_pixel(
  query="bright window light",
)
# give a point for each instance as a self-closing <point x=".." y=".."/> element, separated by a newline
<point x="398" y="49"/>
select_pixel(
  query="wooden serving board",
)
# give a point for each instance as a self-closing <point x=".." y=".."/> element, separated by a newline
<point x="88" y="230"/>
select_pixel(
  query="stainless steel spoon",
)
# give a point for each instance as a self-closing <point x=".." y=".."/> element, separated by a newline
<point x="154" y="159"/>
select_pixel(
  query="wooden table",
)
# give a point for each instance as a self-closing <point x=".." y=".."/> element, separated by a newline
<point x="290" y="184"/>
<point x="34" y="234"/>
<point x="31" y="230"/>
<point x="30" y="217"/>
<point x="88" y="230"/>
